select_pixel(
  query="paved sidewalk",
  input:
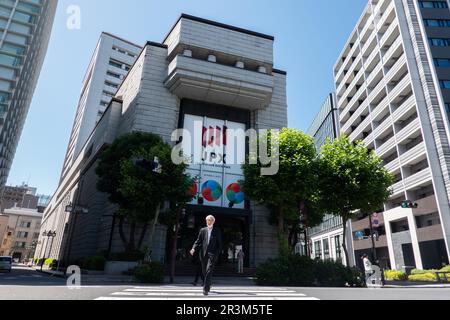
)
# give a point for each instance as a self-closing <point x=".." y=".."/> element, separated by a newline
<point x="103" y="278"/>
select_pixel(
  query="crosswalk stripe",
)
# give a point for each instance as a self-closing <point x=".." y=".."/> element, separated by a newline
<point x="217" y="293"/>
<point x="215" y="289"/>
<point x="212" y="298"/>
<point x="201" y="294"/>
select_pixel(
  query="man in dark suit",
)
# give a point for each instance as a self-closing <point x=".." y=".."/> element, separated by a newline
<point x="209" y="243"/>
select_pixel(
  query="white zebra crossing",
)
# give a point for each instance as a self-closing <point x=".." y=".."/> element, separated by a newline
<point x="217" y="293"/>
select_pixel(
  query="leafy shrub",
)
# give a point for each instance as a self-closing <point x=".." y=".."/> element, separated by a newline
<point x="96" y="263"/>
<point x="287" y="270"/>
<point x="418" y="271"/>
<point x="49" y="261"/>
<point x="335" y="274"/>
<point x="395" y="275"/>
<point x="127" y="256"/>
<point x="427" y="277"/>
<point x="295" y="270"/>
<point x="445" y="269"/>
<point x="150" y="273"/>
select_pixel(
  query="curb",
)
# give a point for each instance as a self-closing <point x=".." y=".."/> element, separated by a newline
<point x="51" y="274"/>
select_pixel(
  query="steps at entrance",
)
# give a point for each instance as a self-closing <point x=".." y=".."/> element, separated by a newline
<point x="220" y="271"/>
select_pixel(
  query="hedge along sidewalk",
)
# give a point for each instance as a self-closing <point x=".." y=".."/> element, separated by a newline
<point x="412" y="284"/>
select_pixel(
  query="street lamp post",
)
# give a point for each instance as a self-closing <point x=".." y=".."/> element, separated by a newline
<point x="76" y="210"/>
<point x="48" y="235"/>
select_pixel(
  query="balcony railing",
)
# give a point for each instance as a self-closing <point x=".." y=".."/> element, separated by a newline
<point x="397" y="189"/>
<point x="385" y="15"/>
<point x="413" y="153"/>
<point x="353" y="118"/>
<point x="406" y="132"/>
<point x="384" y="39"/>
<point x="363" y="125"/>
<point x="346" y="61"/>
<point x="370" y="58"/>
<point x="400" y="87"/>
<point x="380" y="107"/>
<point x="369" y="42"/>
<point x="375" y="92"/>
<point x="388" y="145"/>
<point x="383" y="126"/>
<point x="396" y="67"/>
<point x="374" y="73"/>
<point x="388" y="55"/>
<point x="418" y="178"/>
<point x="393" y="165"/>
<point x="405" y="107"/>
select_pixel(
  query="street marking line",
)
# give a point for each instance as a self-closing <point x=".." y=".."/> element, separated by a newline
<point x="212" y="294"/>
<point x="215" y="290"/>
<point x="214" y="298"/>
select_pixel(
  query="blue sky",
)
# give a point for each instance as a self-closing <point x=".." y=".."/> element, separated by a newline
<point x="309" y="35"/>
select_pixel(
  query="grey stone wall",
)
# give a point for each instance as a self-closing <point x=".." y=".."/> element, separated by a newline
<point x="398" y="239"/>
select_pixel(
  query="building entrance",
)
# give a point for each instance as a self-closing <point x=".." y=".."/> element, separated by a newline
<point x="235" y="237"/>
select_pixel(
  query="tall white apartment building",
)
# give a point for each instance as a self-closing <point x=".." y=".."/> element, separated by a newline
<point x="392" y="86"/>
<point x="112" y="59"/>
<point x="25" y="28"/>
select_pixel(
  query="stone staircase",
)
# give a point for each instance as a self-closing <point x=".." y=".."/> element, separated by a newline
<point x="225" y="270"/>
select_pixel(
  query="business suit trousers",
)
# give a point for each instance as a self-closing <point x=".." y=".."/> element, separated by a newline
<point x="208" y="264"/>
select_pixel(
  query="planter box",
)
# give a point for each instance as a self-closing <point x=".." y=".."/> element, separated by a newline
<point x="118" y="267"/>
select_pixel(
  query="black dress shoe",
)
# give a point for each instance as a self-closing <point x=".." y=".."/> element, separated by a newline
<point x="205" y="293"/>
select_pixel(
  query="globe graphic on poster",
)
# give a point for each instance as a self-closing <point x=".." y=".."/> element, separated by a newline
<point x="211" y="190"/>
<point x="234" y="193"/>
<point x="193" y="189"/>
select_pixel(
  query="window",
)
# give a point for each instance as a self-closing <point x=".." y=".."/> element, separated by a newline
<point x="22" y="235"/>
<point x="318" y="249"/>
<point x="437" y="22"/>
<point x="123" y="51"/>
<point x="442" y="63"/>
<point x="326" y="249"/>
<point x="447" y="107"/>
<point x="337" y="241"/>
<point x="108" y="94"/>
<point x="115" y="63"/>
<point x="433" y="4"/>
<point x="104" y="103"/>
<point x="13" y="49"/>
<point x="112" y="85"/>
<point x="25" y="224"/>
<point x="439" y="42"/>
<point x="445" y="84"/>
<point x="20" y="245"/>
<point x="114" y="75"/>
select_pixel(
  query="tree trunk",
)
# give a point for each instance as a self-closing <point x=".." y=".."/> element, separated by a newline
<point x="122" y="233"/>
<point x="150" y="244"/>
<point x="132" y="244"/>
<point x="143" y="233"/>
<point x="281" y="223"/>
<point x="173" y="255"/>
<point x="344" y="241"/>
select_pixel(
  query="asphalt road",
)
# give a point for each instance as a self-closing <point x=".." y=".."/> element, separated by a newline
<point x="27" y="284"/>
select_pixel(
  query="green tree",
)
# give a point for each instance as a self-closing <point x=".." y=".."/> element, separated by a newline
<point x="294" y="184"/>
<point x="125" y="173"/>
<point x="352" y="179"/>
